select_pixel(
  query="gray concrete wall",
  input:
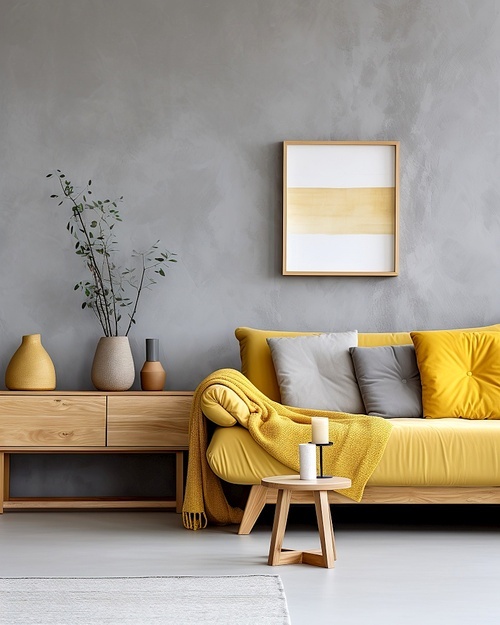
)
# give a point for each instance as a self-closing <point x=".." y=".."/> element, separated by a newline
<point x="181" y="106"/>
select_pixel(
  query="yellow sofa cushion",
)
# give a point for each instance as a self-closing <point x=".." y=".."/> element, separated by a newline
<point x="257" y="363"/>
<point x="235" y="457"/>
<point x="419" y="452"/>
<point x="460" y="373"/>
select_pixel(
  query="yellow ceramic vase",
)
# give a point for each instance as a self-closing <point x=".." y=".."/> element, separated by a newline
<point x="31" y="368"/>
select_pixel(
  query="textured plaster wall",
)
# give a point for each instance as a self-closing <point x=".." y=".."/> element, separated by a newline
<point x="181" y="107"/>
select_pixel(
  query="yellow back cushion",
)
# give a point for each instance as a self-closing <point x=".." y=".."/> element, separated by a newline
<point x="460" y="373"/>
<point x="257" y="364"/>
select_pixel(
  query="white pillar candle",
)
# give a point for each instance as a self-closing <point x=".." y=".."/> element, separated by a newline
<point x="320" y="430"/>
<point x="307" y="461"/>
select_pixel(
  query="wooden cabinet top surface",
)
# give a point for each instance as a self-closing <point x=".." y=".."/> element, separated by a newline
<point x="111" y="393"/>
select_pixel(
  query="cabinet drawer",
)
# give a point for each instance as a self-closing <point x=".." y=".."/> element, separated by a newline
<point x="149" y="421"/>
<point x="52" y="421"/>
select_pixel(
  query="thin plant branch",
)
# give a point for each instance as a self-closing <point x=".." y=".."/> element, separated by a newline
<point x="92" y="226"/>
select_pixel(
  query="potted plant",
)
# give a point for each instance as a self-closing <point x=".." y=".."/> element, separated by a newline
<point x="111" y="292"/>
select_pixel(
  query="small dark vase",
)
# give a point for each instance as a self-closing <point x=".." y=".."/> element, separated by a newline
<point x="153" y="375"/>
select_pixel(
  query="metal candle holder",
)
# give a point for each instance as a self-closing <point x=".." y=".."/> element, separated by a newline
<point x="321" y="445"/>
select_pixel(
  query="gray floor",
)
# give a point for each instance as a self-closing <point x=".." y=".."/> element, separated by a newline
<point x="404" y="573"/>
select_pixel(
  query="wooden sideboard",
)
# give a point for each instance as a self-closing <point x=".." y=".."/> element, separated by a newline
<point x="54" y="422"/>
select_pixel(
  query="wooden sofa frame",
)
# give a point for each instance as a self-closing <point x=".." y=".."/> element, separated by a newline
<point x="260" y="495"/>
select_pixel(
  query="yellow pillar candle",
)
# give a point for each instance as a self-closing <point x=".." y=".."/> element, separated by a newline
<point x="320" y="430"/>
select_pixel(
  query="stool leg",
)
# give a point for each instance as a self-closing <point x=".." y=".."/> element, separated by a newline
<point x="325" y="528"/>
<point x="279" y="525"/>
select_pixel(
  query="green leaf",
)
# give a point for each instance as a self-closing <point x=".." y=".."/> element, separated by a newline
<point x="161" y="272"/>
<point x="49" y="176"/>
<point x="84" y="304"/>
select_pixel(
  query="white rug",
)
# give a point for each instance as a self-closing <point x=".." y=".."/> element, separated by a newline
<point x="221" y="600"/>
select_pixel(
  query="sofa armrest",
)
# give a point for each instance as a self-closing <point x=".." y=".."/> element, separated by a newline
<point x="222" y="405"/>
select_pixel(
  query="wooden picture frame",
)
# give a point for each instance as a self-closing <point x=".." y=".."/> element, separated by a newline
<point x="340" y="208"/>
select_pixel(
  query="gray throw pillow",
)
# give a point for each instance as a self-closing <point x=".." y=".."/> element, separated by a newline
<point x="317" y="371"/>
<point x="389" y="380"/>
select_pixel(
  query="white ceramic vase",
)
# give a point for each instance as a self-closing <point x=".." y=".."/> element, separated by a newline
<point x="113" y="367"/>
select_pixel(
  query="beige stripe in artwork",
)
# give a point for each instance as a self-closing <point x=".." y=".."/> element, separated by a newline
<point x="340" y="211"/>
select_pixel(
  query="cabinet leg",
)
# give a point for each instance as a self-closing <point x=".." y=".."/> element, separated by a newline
<point x="179" y="480"/>
<point x="4" y="478"/>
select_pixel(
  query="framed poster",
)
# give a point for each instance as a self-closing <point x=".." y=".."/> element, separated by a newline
<point x="340" y="208"/>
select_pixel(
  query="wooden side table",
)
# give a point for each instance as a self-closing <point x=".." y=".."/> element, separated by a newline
<point x="286" y="485"/>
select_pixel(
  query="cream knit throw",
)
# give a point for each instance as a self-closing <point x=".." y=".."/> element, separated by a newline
<point x="359" y="442"/>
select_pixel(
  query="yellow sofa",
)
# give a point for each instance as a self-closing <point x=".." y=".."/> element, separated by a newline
<point x="446" y="460"/>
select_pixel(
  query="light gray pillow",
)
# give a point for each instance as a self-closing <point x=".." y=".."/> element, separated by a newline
<point x="389" y="380"/>
<point x="317" y="371"/>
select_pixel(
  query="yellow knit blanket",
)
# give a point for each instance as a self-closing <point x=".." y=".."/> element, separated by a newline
<point x="359" y="442"/>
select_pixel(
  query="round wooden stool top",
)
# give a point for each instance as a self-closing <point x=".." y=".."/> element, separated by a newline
<point x="293" y="482"/>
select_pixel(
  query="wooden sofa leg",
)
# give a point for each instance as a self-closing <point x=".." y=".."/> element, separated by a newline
<point x="256" y="501"/>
